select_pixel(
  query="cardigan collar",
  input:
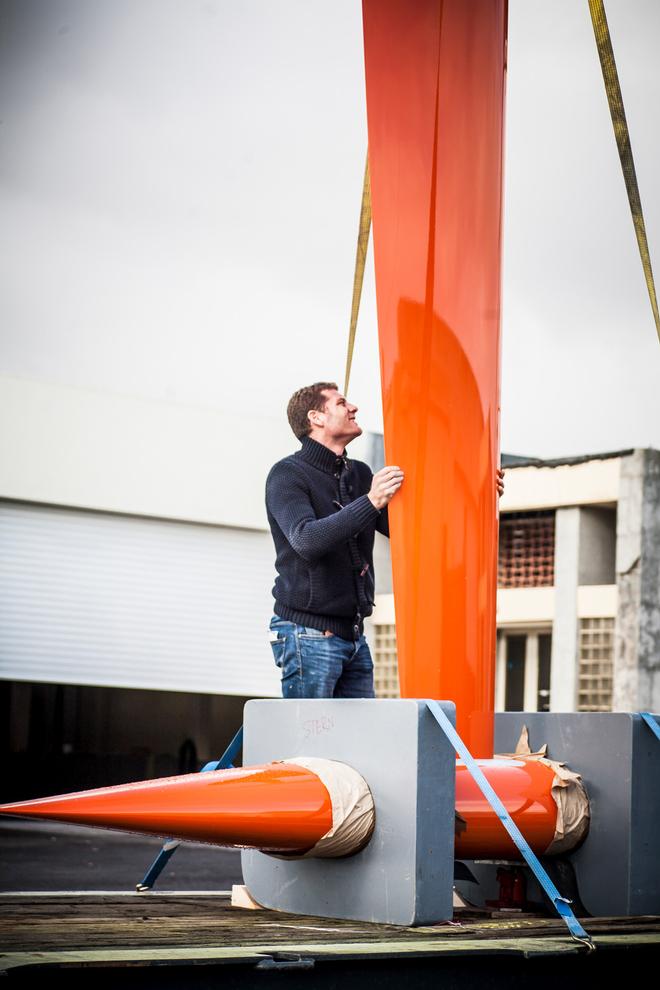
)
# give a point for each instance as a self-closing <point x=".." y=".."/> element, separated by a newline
<point x="322" y="457"/>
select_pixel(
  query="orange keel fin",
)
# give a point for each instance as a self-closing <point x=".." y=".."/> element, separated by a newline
<point x="435" y="72"/>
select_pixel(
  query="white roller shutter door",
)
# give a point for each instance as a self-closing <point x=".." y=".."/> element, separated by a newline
<point x="92" y="598"/>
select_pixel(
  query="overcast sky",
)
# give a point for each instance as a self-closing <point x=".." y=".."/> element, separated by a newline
<point x="180" y="193"/>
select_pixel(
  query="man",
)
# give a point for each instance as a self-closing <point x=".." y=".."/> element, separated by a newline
<point x="323" y="512"/>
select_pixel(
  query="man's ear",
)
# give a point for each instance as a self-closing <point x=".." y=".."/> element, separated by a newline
<point x="314" y="417"/>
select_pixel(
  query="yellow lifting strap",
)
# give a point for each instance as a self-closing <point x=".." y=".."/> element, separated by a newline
<point x="618" y="114"/>
<point x="360" y="259"/>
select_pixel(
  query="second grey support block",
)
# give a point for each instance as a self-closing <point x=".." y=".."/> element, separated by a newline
<point x="618" y="866"/>
<point x="405" y="875"/>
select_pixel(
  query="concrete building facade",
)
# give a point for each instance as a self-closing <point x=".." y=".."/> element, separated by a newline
<point x="578" y="607"/>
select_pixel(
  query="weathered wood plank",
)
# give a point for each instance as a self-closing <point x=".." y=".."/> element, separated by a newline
<point x="174" y="923"/>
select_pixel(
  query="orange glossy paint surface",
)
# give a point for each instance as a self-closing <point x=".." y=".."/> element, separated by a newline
<point x="435" y="74"/>
<point x="524" y="787"/>
<point x="277" y="807"/>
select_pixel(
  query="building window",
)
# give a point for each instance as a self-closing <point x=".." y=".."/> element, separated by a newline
<point x="527" y="550"/>
<point x="522" y="678"/>
<point x="543" y="688"/>
<point x="596" y="663"/>
<point x="523" y="668"/>
<point x="514" y="698"/>
<point x="386" y="669"/>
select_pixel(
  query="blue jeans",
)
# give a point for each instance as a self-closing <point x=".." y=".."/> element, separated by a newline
<point x="317" y="666"/>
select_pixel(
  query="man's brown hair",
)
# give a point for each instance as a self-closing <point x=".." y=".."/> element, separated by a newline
<point x="301" y="402"/>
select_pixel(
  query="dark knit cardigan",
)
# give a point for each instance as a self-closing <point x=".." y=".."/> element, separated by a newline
<point x="323" y="527"/>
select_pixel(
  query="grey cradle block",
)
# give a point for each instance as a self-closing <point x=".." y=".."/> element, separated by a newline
<point x="617" y="868"/>
<point x="404" y="876"/>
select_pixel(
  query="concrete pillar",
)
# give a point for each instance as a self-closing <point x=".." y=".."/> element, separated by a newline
<point x="530" y="703"/>
<point x="564" y="666"/>
<point x="637" y="630"/>
<point x="597" y="545"/>
<point x="500" y="673"/>
<point x="649" y="625"/>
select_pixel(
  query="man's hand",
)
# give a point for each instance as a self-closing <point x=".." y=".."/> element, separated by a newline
<point x="384" y="485"/>
<point x="499" y="482"/>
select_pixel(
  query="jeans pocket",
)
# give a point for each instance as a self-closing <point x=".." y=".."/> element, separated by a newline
<point x="287" y="658"/>
<point x="310" y="633"/>
<point x="278" y="646"/>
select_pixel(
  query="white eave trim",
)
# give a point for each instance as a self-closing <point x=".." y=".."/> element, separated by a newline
<point x="588" y="483"/>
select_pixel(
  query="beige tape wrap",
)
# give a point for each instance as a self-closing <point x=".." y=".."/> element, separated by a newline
<point x="353" y="812"/>
<point x="569" y="795"/>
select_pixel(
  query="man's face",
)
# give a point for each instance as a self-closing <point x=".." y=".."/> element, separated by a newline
<point x="337" y="420"/>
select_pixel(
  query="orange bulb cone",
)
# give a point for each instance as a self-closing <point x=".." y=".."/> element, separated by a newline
<point x="286" y="808"/>
<point x="525" y="789"/>
<point x="278" y="807"/>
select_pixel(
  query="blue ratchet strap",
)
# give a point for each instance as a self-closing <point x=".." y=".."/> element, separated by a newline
<point x="652" y="724"/>
<point x="226" y="762"/>
<point x="562" y="905"/>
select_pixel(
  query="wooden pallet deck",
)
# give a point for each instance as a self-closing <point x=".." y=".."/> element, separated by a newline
<point x="72" y="931"/>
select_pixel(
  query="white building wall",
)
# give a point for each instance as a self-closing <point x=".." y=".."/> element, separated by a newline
<point x="96" y="599"/>
<point x="119" y="453"/>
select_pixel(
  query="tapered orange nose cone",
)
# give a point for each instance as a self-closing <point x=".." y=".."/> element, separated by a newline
<point x="278" y="807"/>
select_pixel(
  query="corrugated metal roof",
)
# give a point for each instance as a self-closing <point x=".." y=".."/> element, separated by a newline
<point x="516" y="460"/>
